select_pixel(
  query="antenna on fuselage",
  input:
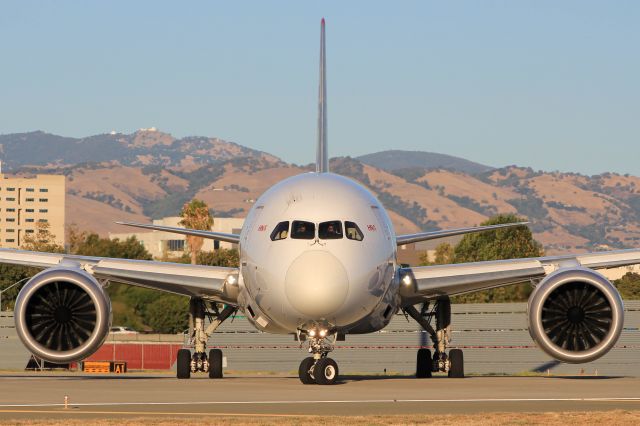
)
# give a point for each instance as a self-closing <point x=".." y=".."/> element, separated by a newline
<point x="322" y="158"/>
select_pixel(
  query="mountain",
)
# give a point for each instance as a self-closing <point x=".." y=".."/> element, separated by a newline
<point x="146" y="147"/>
<point x="150" y="174"/>
<point x="398" y="160"/>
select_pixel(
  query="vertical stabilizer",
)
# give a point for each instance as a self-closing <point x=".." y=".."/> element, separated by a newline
<point x="322" y="158"/>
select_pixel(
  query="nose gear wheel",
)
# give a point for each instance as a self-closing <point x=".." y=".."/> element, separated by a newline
<point x="319" y="369"/>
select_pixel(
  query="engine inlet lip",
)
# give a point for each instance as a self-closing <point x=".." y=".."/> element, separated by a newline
<point x="85" y="282"/>
<point x="591" y="278"/>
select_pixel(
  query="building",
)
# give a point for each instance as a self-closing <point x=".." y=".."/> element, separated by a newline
<point x="412" y="254"/>
<point x="165" y="244"/>
<point x="24" y="202"/>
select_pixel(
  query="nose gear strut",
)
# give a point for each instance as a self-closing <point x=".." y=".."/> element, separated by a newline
<point x="319" y="368"/>
<point x="453" y="363"/>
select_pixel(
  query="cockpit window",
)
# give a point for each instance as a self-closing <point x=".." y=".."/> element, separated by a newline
<point x="301" y="230"/>
<point x="353" y="232"/>
<point x="280" y="232"/>
<point x="330" y="230"/>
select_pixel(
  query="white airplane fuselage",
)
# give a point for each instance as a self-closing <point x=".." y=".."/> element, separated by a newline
<point x="341" y="284"/>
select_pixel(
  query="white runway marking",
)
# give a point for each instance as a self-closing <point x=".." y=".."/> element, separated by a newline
<point x="353" y="401"/>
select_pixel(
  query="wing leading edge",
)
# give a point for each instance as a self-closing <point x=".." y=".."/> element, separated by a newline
<point x="210" y="282"/>
<point x="428" y="282"/>
<point x="433" y="235"/>
<point x="229" y="238"/>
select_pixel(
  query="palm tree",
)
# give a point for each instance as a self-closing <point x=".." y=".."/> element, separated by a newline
<point x="195" y="215"/>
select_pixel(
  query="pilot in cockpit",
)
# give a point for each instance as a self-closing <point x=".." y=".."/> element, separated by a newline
<point x="332" y="232"/>
<point x="301" y="229"/>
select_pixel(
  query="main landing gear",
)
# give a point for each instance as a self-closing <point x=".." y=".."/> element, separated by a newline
<point x="188" y="363"/>
<point x="318" y="368"/>
<point x="452" y="363"/>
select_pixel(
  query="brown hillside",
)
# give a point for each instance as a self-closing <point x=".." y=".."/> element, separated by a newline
<point x="567" y="211"/>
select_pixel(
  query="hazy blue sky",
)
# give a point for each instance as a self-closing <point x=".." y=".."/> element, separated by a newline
<point x="546" y="84"/>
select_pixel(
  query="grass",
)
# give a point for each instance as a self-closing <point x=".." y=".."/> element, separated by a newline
<point x="599" y="418"/>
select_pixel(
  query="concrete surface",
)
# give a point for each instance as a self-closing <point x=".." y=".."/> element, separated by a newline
<point x="93" y="396"/>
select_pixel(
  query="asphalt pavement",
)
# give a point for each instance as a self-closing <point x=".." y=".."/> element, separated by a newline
<point x="42" y="395"/>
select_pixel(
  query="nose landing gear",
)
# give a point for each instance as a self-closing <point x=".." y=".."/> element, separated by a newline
<point x="318" y="369"/>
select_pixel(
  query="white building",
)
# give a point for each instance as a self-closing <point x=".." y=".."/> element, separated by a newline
<point x="164" y="244"/>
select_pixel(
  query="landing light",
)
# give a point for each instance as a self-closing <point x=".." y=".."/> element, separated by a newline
<point x="406" y="280"/>
<point x="323" y="333"/>
<point x="312" y="333"/>
<point x="231" y="279"/>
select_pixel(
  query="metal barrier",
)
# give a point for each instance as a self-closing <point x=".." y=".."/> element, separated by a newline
<point x="494" y="337"/>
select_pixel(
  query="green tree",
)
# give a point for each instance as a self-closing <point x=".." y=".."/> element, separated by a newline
<point x="444" y="255"/>
<point x="629" y="286"/>
<point x="195" y="215"/>
<point x="91" y="244"/>
<point x="222" y="257"/>
<point x="508" y="243"/>
<point x="168" y="314"/>
<point x="9" y="275"/>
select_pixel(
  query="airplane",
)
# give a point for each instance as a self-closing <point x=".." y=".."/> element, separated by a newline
<point x="318" y="261"/>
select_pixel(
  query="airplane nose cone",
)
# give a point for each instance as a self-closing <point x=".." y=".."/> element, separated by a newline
<point x="316" y="284"/>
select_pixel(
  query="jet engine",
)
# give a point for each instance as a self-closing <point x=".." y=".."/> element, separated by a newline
<point x="575" y="315"/>
<point x="62" y="315"/>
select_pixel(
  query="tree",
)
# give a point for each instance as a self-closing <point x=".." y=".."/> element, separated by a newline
<point x="42" y="240"/>
<point x="9" y="275"/>
<point x="91" y="244"/>
<point x="167" y="314"/>
<point x="222" y="257"/>
<point x="444" y="254"/>
<point x="508" y="243"/>
<point x="195" y="215"/>
<point x="629" y="286"/>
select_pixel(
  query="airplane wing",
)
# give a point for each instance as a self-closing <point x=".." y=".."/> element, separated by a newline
<point x="209" y="282"/>
<point x="423" y="283"/>
<point x="433" y="235"/>
<point x="229" y="238"/>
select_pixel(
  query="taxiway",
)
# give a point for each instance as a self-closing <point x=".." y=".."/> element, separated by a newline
<point x="42" y="395"/>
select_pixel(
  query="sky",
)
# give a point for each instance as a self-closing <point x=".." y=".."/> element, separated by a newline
<point x="553" y="85"/>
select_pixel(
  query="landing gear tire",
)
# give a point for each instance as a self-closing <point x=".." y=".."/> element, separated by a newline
<point x="183" y="364"/>
<point x="215" y="364"/>
<point x="456" y="358"/>
<point x="304" y="369"/>
<point x="325" y="371"/>
<point x="424" y="364"/>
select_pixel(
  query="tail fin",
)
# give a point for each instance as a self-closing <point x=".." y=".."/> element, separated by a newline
<point x="322" y="158"/>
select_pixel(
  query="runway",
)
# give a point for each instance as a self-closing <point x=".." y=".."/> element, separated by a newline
<point x="133" y="395"/>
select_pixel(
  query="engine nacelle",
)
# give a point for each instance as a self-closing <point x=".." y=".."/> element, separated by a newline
<point x="62" y="315"/>
<point x="575" y="315"/>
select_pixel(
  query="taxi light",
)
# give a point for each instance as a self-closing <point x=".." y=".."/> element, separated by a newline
<point x="231" y="279"/>
<point x="323" y="333"/>
<point x="406" y="280"/>
<point x="312" y="333"/>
